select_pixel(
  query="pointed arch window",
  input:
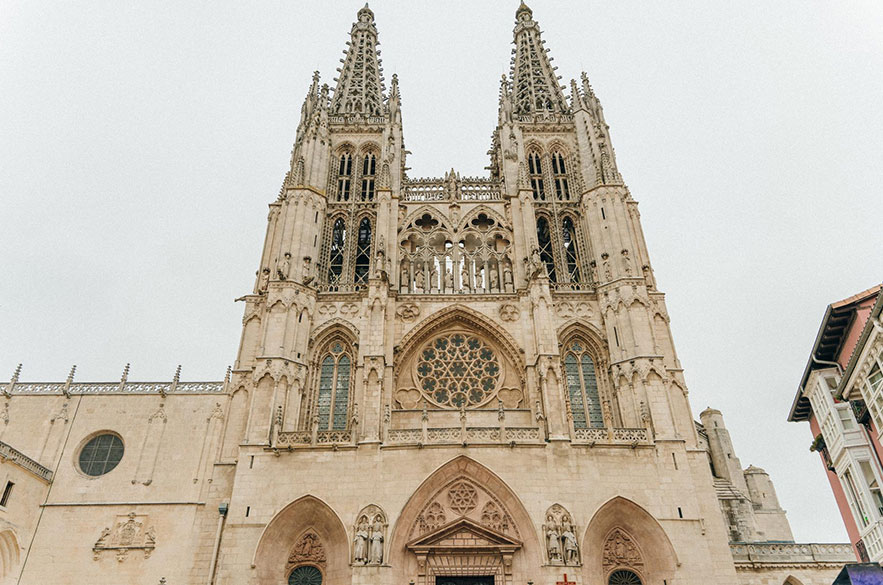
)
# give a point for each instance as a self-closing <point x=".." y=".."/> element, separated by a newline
<point x="571" y="253"/>
<point x="338" y="244"/>
<point x="334" y="389"/>
<point x="559" y="174"/>
<point x="582" y="387"/>
<point x="363" y="250"/>
<point x="544" y="240"/>
<point x="344" y="176"/>
<point x="369" y="170"/>
<point x="536" y="177"/>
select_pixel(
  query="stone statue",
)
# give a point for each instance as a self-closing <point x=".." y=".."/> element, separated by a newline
<point x="419" y="280"/>
<point x="464" y="277"/>
<point x="360" y="542"/>
<point x="449" y="280"/>
<point x="264" y="280"/>
<point x="405" y="280"/>
<point x="494" y="280"/>
<point x="376" y="555"/>
<point x="508" y="280"/>
<point x="553" y="541"/>
<point x="283" y="267"/>
<point x="307" y="270"/>
<point x="433" y="278"/>
<point x="571" y="550"/>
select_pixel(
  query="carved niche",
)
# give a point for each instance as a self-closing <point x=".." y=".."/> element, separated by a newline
<point x="369" y="536"/>
<point x="307" y="549"/>
<point x="559" y="533"/>
<point x="463" y="498"/>
<point x="620" y="550"/>
<point x="130" y="532"/>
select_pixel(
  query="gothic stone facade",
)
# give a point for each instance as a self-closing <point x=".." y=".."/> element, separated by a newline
<point x="437" y="379"/>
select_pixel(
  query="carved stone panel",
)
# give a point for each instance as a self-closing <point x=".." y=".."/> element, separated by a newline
<point x="621" y="551"/>
<point x="308" y="549"/>
<point x="129" y="532"/>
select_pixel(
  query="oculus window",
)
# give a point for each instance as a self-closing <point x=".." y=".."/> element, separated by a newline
<point x="101" y="454"/>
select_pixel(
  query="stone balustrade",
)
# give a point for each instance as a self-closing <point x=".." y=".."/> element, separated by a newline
<point x="785" y="552"/>
<point x="43" y="388"/>
<point x="10" y="453"/>
<point x="466" y="189"/>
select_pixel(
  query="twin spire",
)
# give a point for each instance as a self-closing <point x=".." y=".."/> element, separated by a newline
<point x="534" y="82"/>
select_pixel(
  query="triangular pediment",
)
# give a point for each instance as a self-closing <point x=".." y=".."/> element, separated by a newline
<point x="464" y="534"/>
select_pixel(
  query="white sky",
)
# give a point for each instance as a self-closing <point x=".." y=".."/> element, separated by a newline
<point x="141" y="142"/>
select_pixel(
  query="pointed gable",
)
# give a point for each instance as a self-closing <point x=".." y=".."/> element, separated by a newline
<point x="464" y="534"/>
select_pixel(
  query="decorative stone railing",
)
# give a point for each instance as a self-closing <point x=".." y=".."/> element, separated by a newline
<point x="287" y="439"/>
<point x="356" y="119"/>
<point x="459" y="435"/>
<point x="612" y="436"/>
<point x="37" y="388"/>
<point x="466" y="189"/>
<point x="776" y="552"/>
<point x="9" y="453"/>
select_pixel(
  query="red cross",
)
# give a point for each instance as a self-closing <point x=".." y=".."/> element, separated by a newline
<point x="565" y="581"/>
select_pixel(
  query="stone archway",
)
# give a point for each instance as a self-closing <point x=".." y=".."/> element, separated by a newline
<point x="464" y="520"/>
<point x="305" y="532"/>
<point x="9" y="556"/>
<point x="624" y="536"/>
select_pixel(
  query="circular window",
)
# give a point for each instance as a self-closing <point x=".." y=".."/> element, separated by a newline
<point x="458" y="370"/>
<point x="624" y="578"/>
<point x="305" y="575"/>
<point x="101" y="454"/>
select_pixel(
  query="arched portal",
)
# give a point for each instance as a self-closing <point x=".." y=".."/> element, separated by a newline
<point x="464" y="521"/>
<point x="306" y="533"/>
<point x="623" y="542"/>
<point x="9" y="556"/>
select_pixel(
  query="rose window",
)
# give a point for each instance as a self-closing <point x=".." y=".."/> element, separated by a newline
<point x="458" y="370"/>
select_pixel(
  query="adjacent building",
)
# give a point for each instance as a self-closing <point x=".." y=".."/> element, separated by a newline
<point x="440" y="381"/>
<point x="841" y="396"/>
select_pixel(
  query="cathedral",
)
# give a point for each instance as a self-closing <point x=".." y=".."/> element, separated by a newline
<point x="440" y="381"/>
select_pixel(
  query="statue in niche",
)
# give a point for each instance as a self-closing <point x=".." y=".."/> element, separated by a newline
<point x="494" y="280"/>
<point x="508" y="281"/>
<point x="283" y="267"/>
<point x="449" y="280"/>
<point x="307" y="270"/>
<point x="535" y="266"/>
<point x="360" y="541"/>
<point x="264" y="280"/>
<point x="553" y="541"/>
<point x="433" y="278"/>
<point x="405" y="280"/>
<point x="380" y="263"/>
<point x="464" y="277"/>
<point x="626" y="263"/>
<point x="419" y="281"/>
<point x="571" y="549"/>
<point x="376" y="554"/>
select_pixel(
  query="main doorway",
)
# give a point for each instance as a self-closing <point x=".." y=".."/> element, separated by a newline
<point x="482" y="580"/>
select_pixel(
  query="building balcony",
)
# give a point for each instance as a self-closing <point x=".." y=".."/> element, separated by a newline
<point x="10" y="453"/>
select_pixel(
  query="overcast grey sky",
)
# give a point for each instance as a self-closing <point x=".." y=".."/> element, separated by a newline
<point x="141" y="142"/>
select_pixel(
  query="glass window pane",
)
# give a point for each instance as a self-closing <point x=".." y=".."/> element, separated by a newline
<point x="101" y="454"/>
<point x="592" y="399"/>
<point x="575" y="391"/>
<point x="341" y="393"/>
<point x="326" y="379"/>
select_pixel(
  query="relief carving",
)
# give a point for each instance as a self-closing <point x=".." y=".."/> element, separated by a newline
<point x="462" y="498"/>
<point x="370" y="532"/>
<point x="128" y="534"/>
<point x="408" y="312"/>
<point x="308" y="549"/>
<point x="509" y="313"/>
<point x="561" y="543"/>
<point x="621" y="551"/>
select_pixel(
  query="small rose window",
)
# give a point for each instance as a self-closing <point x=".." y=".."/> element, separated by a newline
<point x="458" y="370"/>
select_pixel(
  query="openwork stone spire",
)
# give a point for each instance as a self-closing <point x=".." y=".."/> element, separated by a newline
<point x="360" y="85"/>
<point x="534" y="83"/>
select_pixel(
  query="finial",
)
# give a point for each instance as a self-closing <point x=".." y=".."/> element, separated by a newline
<point x="177" y="377"/>
<point x="227" y="375"/>
<point x="523" y="8"/>
<point x="70" y="379"/>
<point x="125" y="376"/>
<point x="16" y="374"/>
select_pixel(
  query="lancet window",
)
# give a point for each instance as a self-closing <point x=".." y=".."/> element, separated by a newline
<point x="544" y="240"/>
<point x="571" y="251"/>
<point x="344" y="176"/>
<point x="363" y="251"/>
<point x="536" y="176"/>
<point x="369" y="170"/>
<point x="336" y="258"/>
<point x="582" y="386"/>
<point x="332" y="398"/>
<point x="475" y="260"/>
<point x="559" y="175"/>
